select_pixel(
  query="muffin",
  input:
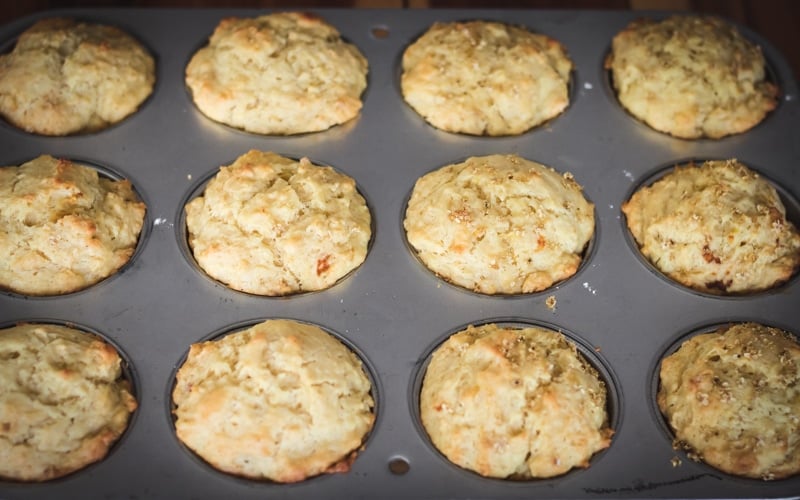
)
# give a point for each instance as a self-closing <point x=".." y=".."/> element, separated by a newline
<point x="732" y="398"/>
<point x="485" y="77"/>
<point x="690" y="76"/>
<point x="68" y="77"/>
<point x="63" y="226"/>
<point x="716" y="227"/>
<point x="278" y="74"/>
<point x="63" y="401"/>
<point x="271" y="225"/>
<point x="499" y="224"/>
<point x="510" y="402"/>
<point x="281" y="400"/>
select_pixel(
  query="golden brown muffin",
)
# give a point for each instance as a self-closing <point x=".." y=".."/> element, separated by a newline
<point x="271" y="225"/>
<point x="67" y="77"/>
<point x="499" y="224"/>
<point x="717" y="227"/>
<point x="280" y="73"/>
<point x="732" y="397"/>
<point x="63" y="401"/>
<point x="485" y="78"/>
<point x="64" y="227"/>
<point x="281" y="400"/>
<point x="511" y="402"/>
<point x="691" y="76"/>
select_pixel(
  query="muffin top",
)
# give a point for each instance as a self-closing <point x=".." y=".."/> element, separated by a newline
<point x="271" y="225"/>
<point x="277" y="74"/>
<point x="510" y="402"/>
<point x="732" y="397"/>
<point x="499" y="224"/>
<point x="64" y="226"/>
<point x="67" y="77"/>
<point x="63" y="401"/>
<point x="691" y="76"/>
<point x="716" y="227"/>
<point x="485" y="77"/>
<point x="281" y="400"/>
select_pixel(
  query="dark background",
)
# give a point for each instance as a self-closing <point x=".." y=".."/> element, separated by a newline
<point x="776" y="20"/>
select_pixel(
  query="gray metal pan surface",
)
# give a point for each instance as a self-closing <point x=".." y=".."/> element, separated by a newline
<point x="391" y="309"/>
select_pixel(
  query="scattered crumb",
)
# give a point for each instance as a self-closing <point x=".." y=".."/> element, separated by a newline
<point x="676" y="462"/>
<point x="189" y="176"/>
<point x="551" y="302"/>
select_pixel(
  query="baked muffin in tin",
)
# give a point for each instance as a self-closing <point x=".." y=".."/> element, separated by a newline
<point x="280" y="400"/>
<point x="271" y="225"/>
<point x="514" y="402"/>
<point x="69" y="77"/>
<point x="278" y="74"/>
<point x="64" y="226"/>
<point x="64" y="400"/>
<point x="732" y="398"/>
<point x="691" y="76"/>
<point x="485" y="77"/>
<point x="715" y="226"/>
<point x="499" y="224"/>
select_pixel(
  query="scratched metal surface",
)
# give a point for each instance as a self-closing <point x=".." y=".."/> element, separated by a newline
<point x="391" y="310"/>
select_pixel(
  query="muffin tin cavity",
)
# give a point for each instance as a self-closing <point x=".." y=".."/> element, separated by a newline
<point x="789" y="201"/>
<point x="691" y="76"/>
<point x="477" y="115"/>
<point x="586" y="352"/>
<point x="305" y="408"/>
<point x="461" y="264"/>
<point x="182" y="233"/>
<point x="128" y="378"/>
<point x="734" y="372"/>
<point x="69" y="76"/>
<point x="112" y="174"/>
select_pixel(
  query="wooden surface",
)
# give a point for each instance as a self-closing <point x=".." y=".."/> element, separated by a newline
<point x="776" y="20"/>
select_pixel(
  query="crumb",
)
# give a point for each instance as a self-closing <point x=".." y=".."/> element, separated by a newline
<point x="676" y="462"/>
<point x="189" y="176"/>
<point x="551" y="302"/>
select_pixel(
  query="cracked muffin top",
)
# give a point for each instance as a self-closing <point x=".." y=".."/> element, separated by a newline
<point x="68" y="77"/>
<point x="485" y="77"/>
<point x="717" y="227"/>
<point x="281" y="400"/>
<point x="278" y="74"/>
<point x="271" y="225"/>
<point x="63" y="401"/>
<point x="514" y="402"/>
<point x="63" y="226"/>
<point x="691" y="76"/>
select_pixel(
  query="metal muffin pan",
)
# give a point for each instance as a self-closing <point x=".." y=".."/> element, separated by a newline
<point x="391" y="309"/>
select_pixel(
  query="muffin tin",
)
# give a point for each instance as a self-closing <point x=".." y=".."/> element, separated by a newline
<point x="391" y="309"/>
